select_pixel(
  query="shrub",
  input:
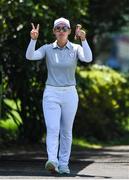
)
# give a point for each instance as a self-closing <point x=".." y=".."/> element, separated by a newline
<point x="104" y="103"/>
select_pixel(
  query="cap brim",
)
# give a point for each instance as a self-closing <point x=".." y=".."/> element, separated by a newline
<point x="57" y="24"/>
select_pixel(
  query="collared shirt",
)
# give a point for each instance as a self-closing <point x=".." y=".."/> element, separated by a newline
<point x="61" y="62"/>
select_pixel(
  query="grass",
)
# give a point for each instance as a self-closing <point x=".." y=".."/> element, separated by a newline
<point x="78" y="143"/>
<point x="11" y="128"/>
<point x="83" y="143"/>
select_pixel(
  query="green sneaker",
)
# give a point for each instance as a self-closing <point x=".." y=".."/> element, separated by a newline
<point x="52" y="167"/>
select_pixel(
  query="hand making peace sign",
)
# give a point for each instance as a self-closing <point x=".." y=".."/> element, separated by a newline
<point x="34" y="32"/>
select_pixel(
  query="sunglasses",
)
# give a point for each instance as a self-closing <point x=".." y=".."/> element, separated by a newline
<point x="63" y="28"/>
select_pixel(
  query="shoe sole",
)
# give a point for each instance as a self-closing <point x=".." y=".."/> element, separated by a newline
<point x="51" y="168"/>
<point x="64" y="173"/>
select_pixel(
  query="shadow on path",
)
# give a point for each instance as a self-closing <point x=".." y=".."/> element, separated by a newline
<point x="35" y="168"/>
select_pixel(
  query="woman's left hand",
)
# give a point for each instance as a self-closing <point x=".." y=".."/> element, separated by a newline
<point x="82" y="35"/>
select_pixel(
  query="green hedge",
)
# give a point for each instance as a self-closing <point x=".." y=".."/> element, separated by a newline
<point x="104" y="103"/>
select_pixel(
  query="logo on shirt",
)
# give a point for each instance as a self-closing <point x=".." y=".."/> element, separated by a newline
<point x="71" y="54"/>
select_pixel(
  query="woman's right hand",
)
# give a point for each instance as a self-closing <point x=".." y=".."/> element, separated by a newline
<point x="34" y="32"/>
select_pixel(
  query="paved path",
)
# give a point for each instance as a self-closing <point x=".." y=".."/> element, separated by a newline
<point x="110" y="162"/>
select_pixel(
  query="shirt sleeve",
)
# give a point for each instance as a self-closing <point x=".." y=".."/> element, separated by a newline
<point x="84" y="52"/>
<point x="32" y="54"/>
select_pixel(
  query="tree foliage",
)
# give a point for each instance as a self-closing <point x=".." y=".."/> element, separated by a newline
<point x="24" y="80"/>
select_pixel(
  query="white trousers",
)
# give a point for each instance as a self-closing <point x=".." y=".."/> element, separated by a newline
<point x="59" y="107"/>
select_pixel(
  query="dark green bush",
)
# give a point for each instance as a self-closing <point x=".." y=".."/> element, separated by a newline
<point x="104" y="103"/>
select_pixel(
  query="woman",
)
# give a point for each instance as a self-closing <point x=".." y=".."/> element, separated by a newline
<point x="60" y="98"/>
